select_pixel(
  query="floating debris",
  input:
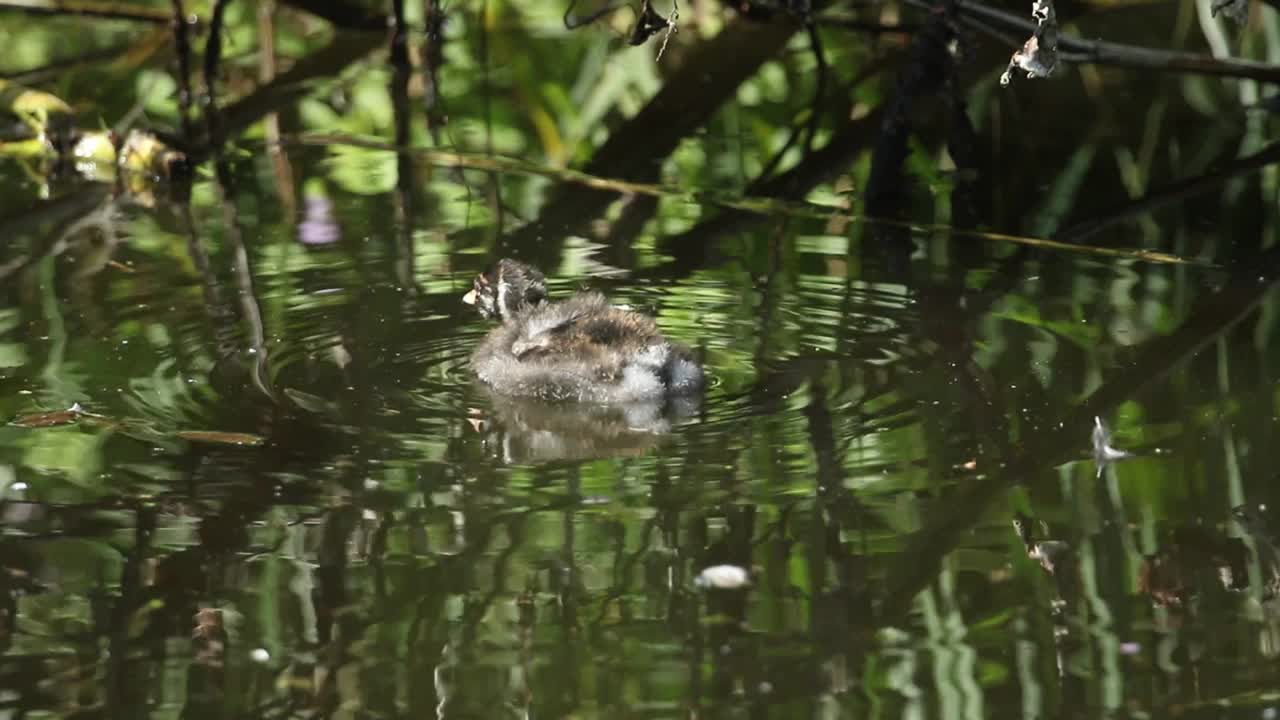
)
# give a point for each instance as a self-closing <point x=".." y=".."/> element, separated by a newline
<point x="1252" y="521"/>
<point x="1250" y="517"/>
<point x="1049" y="553"/>
<point x="1237" y="10"/>
<point x="94" y="155"/>
<point x="318" y="226"/>
<point x="723" y="577"/>
<point x="1171" y="576"/>
<point x="1039" y="54"/>
<point x="220" y="438"/>
<point x="1103" y="452"/>
<point x="55" y="418"/>
<point x="141" y="159"/>
<point x="144" y="156"/>
<point x="209" y="638"/>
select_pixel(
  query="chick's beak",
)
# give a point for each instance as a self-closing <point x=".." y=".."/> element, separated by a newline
<point x="470" y="298"/>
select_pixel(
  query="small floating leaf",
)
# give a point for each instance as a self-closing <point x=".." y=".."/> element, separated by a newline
<point x="220" y="438"/>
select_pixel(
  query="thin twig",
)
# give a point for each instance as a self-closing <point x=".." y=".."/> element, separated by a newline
<point x="872" y="69"/>
<point x="494" y="164"/>
<point x="671" y="27"/>
<point x="89" y="8"/>
<point x="182" y="41"/>
<point x="774" y="161"/>
<point x="1178" y="191"/>
<point x="281" y="169"/>
<point x="59" y="67"/>
<point x="287" y="88"/>
<point x="573" y="22"/>
<point x="212" y="57"/>
<point x="495" y="187"/>
<point x="138" y="110"/>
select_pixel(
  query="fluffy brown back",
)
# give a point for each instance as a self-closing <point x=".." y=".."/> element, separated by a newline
<point x="582" y="349"/>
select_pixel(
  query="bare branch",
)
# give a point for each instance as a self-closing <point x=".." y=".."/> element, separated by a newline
<point x="1101" y="52"/>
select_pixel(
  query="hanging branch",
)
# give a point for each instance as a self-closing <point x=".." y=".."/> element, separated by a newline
<point x="810" y="128"/>
<point x="432" y="61"/>
<point x="651" y="23"/>
<point x="89" y="8"/>
<point x="1039" y="54"/>
<point x="182" y="43"/>
<point x="820" y="89"/>
<point x="213" y="58"/>
<point x="57" y="68"/>
<point x="648" y="24"/>
<point x="399" y="38"/>
<point x="872" y="69"/>
<point x="213" y="47"/>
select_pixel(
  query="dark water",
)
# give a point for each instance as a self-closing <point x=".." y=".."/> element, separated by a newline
<point x="249" y="474"/>
<point x="401" y="543"/>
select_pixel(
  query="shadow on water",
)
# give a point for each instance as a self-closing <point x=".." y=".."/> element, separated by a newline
<point x="247" y="470"/>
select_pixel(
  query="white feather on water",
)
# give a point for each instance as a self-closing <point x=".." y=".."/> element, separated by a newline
<point x="723" y="577"/>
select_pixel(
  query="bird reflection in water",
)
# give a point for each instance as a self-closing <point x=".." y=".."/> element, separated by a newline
<point x="517" y="430"/>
